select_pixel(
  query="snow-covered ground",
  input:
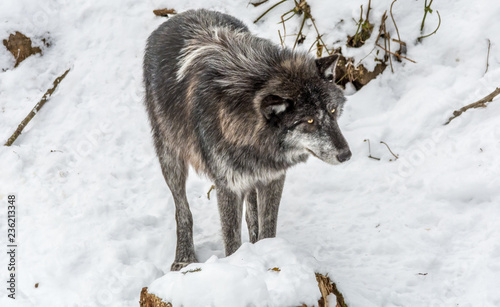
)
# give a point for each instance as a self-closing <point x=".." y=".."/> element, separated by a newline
<point x="96" y="219"/>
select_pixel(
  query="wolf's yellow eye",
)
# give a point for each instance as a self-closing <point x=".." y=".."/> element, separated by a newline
<point x="310" y="121"/>
<point x="332" y="111"/>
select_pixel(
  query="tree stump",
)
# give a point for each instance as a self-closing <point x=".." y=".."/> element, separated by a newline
<point x="326" y="287"/>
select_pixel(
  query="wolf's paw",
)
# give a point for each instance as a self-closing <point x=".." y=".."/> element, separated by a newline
<point x="177" y="265"/>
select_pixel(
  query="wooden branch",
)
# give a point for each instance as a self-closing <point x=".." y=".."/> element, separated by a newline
<point x="35" y="110"/>
<point x="427" y="8"/>
<point x="439" y="24"/>
<point x="395" y="156"/>
<point x="393" y="21"/>
<point x="370" y="151"/>
<point x="399" y="56"/>
<point x="272" y="7"/>
<point x="255" y="4"/>
<point x="488" y="57"/>
<point x="368" y="11"/>
<point x="208" y="193"/>
<point x="478" y="104"/>
<point x="398" y="41"/>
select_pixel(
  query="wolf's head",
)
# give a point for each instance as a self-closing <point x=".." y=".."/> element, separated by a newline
<point x="303" y="103"/>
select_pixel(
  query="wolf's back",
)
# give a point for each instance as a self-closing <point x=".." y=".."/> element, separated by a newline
<point x="165" y="44"/>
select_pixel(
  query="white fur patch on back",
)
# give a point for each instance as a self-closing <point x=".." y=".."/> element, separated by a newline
<point x="189" y="55"/>
<point x="234" y="50"/>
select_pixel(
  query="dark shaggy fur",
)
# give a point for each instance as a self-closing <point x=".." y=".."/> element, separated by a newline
<point x="240" y="110"/>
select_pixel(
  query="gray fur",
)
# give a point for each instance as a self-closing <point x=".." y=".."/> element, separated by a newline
<point x="238" y="109"/>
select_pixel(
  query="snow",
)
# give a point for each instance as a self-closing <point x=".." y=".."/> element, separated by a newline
<point x="96" y="219"/>
<point x="271" y="272"/>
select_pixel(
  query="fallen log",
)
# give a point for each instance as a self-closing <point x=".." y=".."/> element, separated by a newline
<point x="151" y="300"/>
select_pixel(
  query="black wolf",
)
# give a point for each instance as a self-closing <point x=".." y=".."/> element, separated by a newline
<point x="241" y="110"/>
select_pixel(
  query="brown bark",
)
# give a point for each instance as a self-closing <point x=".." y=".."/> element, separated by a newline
<point x="481" y="103"/>
<point x="151" y="300"/>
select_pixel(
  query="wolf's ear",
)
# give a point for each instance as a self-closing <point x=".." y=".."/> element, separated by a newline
<point x="273" y="105"/>
<point x="326" y="67"/>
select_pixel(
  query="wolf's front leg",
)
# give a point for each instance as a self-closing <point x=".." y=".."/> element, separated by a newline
<point x="268" y="200"/>
<point x="230" y="211"/>
<point x="175" y="172"/>
<point x="252" y="215"/>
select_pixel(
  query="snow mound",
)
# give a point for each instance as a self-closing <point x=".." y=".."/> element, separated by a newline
<point x="271" y="272"/>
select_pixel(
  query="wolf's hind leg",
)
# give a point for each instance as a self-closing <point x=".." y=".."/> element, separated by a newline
<point x="252" y="216"/>
<point x="175" y="171"/>
<point x="230" y="210"/>
<point x="268" y="199"/>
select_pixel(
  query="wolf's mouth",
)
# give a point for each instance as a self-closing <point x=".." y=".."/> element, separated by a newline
<point x="333" y="161"/>
<point x="312" y="153"/>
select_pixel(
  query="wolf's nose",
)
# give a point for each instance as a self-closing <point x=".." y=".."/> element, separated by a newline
<point x="344" y="155"/>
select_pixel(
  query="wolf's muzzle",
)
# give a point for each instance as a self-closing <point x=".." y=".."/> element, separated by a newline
<point x="344" y="155"/>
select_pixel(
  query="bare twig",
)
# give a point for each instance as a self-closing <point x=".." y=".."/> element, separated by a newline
<point x="370" y="150"/>
<point x="35" y="110"/>
<point x="380" y="30"/>
<point x="299" y="35"/>
<point x="312" y="45"/>
<point x="478" y="104"/>
<point x="269" y="9"/>
<point x="363" y="31"/>
<point x="293" y="11"/>
<point x="369" y="8"/>
<point x="427" y="8"/>
<point x="320" y="37"/>
<point x="434" y="32"/>
<point x="393" y="21"/>
<point x="387" y="38"/>
<point x="399" y="56"/>
<point x="395" y="156"/>
<point x="399" y="42"/>
<point x="488" y="56"/>
<point x="210" y="190"/>
<point x="382" y="26"/>
<point x="281" y="39"/>
<point x="360" y="22"/>
<point x="255" y="4"/>
<point x="301" y="7"/>
<point x="319" y="49"/>
<point x="402" y="45"/>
